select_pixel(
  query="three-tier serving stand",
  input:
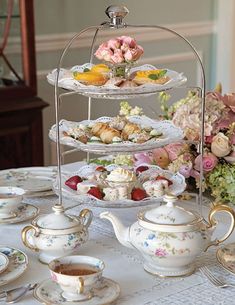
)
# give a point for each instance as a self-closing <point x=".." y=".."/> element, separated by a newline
<point x="116" y="16"/>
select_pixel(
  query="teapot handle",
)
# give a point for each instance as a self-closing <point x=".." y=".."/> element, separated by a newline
<point x="212" y="222"/>
<point x="25" y="240"/>
<point x="86" y="215"/>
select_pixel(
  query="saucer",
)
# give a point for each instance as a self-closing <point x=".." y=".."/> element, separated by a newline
<point x="24" y="212"/>
<point x="18" y="263"/>
<point x="226" y="257"/>
<point x="49" y="292"/>
<point x="4" y="262"/>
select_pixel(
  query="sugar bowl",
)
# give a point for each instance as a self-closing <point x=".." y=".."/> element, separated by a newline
<point x="57" y="234"/>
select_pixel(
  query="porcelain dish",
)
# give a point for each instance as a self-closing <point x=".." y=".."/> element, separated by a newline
<point x="88" y="170"/>
<point x="169" y="132"/>
<point x="226" y="257"/>
<point x="24" y="212"/>
<point x="10" y="199"/>
<point x="18" y="263"/>
<point x="31" y="179"/>
<point x="67" y="81"/>
<point x="4" y="262"/>
<point x="170" y="237"/>
<point x="49" y="292"/>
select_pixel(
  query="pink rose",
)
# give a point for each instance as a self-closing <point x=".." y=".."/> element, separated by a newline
<point x="232" y="139"/>
<point x="142" y="158"/>
<point x="114" y="44"/>
<point x="208" y="139"/>
<point x="160" y="157"/>
<point x="133" y="54"/>
<point x="225" y="122"/>
<point x="214" y="96"/>
<point x="229" y="100"/>
<point x="174" y="150"/>
<point x="126" y="40"/>
<point x="209" y="162"/>
<point x="117" y="57"/>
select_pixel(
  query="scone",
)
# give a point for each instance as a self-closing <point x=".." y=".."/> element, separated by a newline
<point x="151" y="77"/>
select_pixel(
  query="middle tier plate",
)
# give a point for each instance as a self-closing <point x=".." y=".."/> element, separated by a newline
<point x="169" y="133"/>
<point x="88" y="173"/>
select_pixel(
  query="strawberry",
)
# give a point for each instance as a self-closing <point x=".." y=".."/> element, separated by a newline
<point x="101" y="169"/>
<point x="164" y="178"/>
<point x="73" y="181"/>
<point x="141" y="169"/>
<point x="138" y="194"/>
<point x="96" y="192"/>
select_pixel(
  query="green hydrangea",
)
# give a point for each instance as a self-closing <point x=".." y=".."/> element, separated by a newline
<point x="124" y="160"/>
<point x="221" y="181"/>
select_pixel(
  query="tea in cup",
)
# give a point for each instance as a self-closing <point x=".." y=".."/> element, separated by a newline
<point x="77" y="275"/>
<point x="10" y="199"/>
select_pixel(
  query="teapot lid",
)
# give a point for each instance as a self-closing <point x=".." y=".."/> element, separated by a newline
<point x="57" y="220"/>
<point x="168" y="214"/>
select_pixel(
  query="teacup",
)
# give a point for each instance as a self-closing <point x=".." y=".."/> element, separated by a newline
<point x="10" y="199"/>
<point x="77" y="275"/>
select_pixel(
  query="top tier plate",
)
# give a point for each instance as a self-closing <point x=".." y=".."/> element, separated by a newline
<point x="66" y="81"/>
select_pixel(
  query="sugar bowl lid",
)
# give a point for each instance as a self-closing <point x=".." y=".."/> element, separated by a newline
<point x="168" y="215"/>
<point x="57" y="221"/>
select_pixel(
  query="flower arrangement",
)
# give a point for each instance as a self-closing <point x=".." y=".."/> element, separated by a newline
<point x="119" y="50"/>
<point x="219" y="152"/>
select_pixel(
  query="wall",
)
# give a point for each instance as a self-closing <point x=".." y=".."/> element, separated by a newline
<point x="57" y="20"/>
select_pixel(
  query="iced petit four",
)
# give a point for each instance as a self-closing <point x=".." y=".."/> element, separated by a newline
<point x="156" y="188"/>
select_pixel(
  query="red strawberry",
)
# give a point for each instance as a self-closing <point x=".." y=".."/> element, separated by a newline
<point x="96" y="192"/>
<point x="101" y="169"/>
<point x="73" y="181"/>
<point x="141" y="169"/>
<point x="138" y="194"/>
<point x="164" y="178"/>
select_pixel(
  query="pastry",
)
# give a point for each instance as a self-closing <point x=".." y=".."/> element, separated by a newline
<point x="98" y="128"/>
<point x="112" y="194"/>
<point x="118" y="122"/>
<point x="151" y="76"/>
<point x="156" y="188"/>
<point x="128" y="84"/>
<point x="121" y="175"/>
<point x="114" y="81"/>
<point x="90" y="78"/>
<point x="78" y="134"/>
<point x="101" y="68"/>
<point x="129" y="129"/>
<point x="139" y="137"/>
<point x="85" y="186"/>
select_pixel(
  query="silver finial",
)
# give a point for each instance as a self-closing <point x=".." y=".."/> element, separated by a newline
<point x="116" y="13"/>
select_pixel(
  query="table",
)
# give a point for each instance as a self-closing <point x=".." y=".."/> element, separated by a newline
<point x="125" y="265"/>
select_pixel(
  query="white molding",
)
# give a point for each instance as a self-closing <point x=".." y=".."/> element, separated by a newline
<point x="225" y="58"/>
<point x="55" y="42"/>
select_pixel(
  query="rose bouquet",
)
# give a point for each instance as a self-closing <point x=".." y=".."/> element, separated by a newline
<point x="218" y="160"/>
<point x="119" y="50"/>
<point x="120" y="53"/>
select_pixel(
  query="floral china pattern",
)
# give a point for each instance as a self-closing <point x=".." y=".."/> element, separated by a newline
<point x="163" y="244"/>
<point x="17" y="264"/>
<point x="226" y="257"/>
<point x="24" y="212"/>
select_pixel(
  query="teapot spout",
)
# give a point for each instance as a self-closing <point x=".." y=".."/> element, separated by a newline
<point x="121" y="232"/>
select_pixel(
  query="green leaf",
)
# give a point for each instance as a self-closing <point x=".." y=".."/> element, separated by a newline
<point x="157" y="75"/>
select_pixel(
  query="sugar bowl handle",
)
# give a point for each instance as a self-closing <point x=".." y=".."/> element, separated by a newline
<point x="86" y="216"/>
<point x="25" y="239"/>
<point x="212" y="222"/>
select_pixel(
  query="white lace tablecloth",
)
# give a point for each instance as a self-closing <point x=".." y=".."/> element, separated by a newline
<point x="125" y="265"/>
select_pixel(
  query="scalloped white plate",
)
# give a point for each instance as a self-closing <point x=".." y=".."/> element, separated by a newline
<point x="66" y="81"/>
<point x="170" y="132"/>
<point x="176" y="188"/>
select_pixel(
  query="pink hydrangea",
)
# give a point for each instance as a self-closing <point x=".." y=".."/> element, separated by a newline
<point x="141" y="158"/>
<point x="174" y="150"/>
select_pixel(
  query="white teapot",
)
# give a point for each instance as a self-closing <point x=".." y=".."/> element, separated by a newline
<point x="57" y="234"/>
<point x="170" y="237"/>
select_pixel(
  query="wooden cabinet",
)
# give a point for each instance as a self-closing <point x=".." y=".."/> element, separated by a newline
<point x="20" y="109"/>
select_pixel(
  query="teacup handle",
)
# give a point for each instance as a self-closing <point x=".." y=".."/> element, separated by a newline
<point x="80" y="285"/>
<point x="25" y="240"/>
<point x="86" y="215"/>
<point x="212" y="222"/>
